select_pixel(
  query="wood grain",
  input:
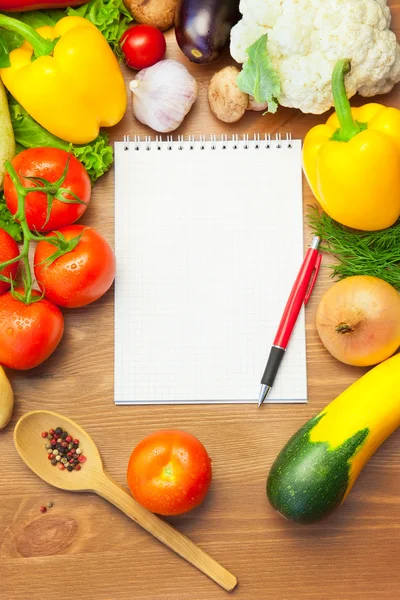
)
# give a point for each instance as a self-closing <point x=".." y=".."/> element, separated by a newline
<point x="87" y="549"/>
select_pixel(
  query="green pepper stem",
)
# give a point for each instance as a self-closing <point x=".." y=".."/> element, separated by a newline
<point x="348" y="126"/>
<point x="41" y="46"/>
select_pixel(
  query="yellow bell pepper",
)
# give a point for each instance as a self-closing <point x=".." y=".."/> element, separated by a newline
<point x="66" y="77"/>
<point x="352" y="163"/>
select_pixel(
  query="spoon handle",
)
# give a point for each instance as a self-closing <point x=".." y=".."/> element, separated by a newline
<point x="108" y="489"/>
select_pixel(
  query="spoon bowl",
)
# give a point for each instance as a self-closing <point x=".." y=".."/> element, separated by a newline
<point x="94" y="478"/>
<point x="31" y="448"/>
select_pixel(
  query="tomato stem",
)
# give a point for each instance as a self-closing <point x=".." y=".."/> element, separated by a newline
<point x="57" y="240"/>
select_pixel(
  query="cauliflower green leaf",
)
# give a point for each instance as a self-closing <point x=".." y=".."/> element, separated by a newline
<point x="258" y="77"/>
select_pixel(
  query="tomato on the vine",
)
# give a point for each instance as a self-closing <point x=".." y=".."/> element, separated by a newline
<point x="63" y="208"/>
<point x="29" y="333"/>
<point x="80" y="276"/>
<point x="142" y="46"/>
<point x="169" y="472"/>
<point x="8" y="250"/>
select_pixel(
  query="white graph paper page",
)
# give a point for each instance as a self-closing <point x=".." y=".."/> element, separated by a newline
<point x="208" y="242"/>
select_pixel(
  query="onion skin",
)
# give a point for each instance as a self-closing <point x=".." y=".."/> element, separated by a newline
<point x="358" y="320"/>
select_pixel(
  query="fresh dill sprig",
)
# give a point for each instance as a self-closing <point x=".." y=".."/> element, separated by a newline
<point x="375" y="253"/>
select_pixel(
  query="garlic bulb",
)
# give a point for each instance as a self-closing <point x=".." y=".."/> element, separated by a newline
<point x="163" y="94"/>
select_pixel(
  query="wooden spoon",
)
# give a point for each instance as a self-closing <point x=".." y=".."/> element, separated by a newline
<point x="94" y="478"/>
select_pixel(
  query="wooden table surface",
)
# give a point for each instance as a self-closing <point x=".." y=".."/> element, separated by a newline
<point x="86" y="549"/>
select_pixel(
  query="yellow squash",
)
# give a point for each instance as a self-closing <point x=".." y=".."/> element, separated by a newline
<point x="317" y="468"/>
<point x="6" y="399"/>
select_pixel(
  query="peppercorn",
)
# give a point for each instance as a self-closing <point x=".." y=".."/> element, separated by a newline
<point x="78" y="451"/>
<point x="59" y="440"/>
<point x="58" y="458"/>
<point x="76" y="442"/>
<point x="50" y="456"/>
<point x="69" y="468"/>
<point x="54" y="461"/>
<point x="82" y="458"/>
<point x="43" y="509"/>
<point x="78" y="467"/>
<point x="68" y="439"/>
<point x="61" y="466"/>
<point x="49" y="505"/>
<point x="64" y="444"/>
<point x="44" y="434"/>
<point x="58" y="431"/>
<point x="51" y="431"/>
<point x="53" y="443"/>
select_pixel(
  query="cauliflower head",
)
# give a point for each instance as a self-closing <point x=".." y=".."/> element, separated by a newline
<point x="307" y="37"/>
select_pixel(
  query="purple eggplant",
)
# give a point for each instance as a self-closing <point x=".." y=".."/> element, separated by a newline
<point x="202" y="27"/>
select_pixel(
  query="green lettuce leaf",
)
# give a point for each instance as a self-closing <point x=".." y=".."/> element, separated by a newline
<point x="258" y="77"/>
<point x="7" y="221"/>
<point x="111" y="17"/>
<point x="96" y="157"/>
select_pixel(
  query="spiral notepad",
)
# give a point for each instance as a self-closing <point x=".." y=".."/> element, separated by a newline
<point x="209" y="240"/>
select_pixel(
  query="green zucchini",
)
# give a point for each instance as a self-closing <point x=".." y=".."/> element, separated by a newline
<point x="316" y="469"/>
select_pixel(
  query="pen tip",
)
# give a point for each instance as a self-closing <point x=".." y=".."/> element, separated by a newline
<point x="263" y="394"/>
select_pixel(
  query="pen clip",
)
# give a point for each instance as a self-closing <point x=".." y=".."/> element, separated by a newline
<point x="313" y="278"/>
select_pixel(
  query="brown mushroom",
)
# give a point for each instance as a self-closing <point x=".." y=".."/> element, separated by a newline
<point x="227" y="102"/>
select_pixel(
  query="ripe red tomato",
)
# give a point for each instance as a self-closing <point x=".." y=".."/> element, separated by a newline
<point x="80" y="276"/>
<point x="28" y="333"/>
<point x="48" y="163"/>
<point x="8" y="250"/>
<point x="169" y="472"/>
<point x="142" y="46"/>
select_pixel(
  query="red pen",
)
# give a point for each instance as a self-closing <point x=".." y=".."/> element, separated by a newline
<point x="300" y="293"/>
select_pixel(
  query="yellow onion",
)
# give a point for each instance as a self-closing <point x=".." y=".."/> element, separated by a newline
<point x="358" y="320"/>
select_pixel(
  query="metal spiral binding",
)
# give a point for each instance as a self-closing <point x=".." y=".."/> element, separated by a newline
<point x="235" y="142"/>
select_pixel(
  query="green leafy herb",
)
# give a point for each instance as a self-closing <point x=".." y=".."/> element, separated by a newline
<point x="96" y="157"/>
<point x="258" y="77"/>
<point x="111" y="17"/>
<point x="7" y="221"/>
<point x="375" y="253"/>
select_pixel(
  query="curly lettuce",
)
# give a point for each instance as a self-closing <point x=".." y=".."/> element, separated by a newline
<point x="7" y="221"/>
<point x="111" y="17"/>
<point x="96" y="157"/>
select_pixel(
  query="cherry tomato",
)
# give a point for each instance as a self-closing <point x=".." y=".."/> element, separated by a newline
<point x="80" y="276"/>
<point x="48" y="163"/>
<point x="28" y="333"/>
<point x="169" y="472"/>
<point x="8" y="250"/>
<point x="142" y="46"/>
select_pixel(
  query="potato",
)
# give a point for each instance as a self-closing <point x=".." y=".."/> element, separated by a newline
<point x="6" y="399"/>
<point x="227" y="102"/>
<point x="159" y="13"/>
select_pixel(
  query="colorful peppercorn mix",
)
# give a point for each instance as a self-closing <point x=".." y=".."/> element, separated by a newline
<point x="63" y="451"/>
